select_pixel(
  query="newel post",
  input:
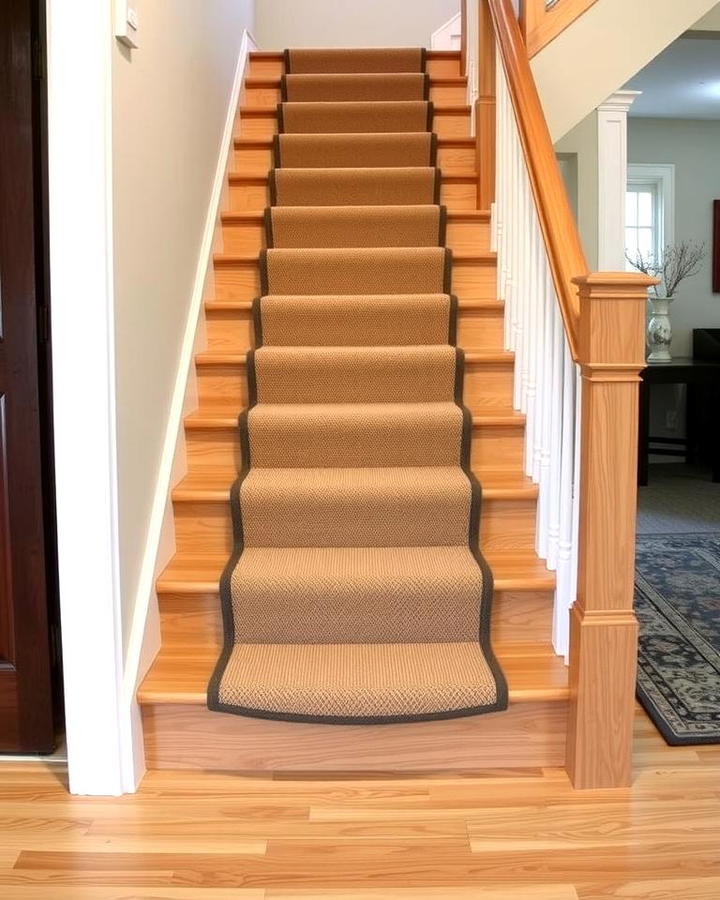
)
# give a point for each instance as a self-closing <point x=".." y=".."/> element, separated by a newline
<point x="485" y="109"/>
<point x="603" y="627"/>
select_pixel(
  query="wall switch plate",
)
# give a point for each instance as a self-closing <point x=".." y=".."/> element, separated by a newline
<point x="127" y="22"/>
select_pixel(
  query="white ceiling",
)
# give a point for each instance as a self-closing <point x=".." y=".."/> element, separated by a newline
<point x="683" y="82"/>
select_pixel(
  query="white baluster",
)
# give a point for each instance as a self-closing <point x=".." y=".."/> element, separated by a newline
<point x="548" y="295"/>
<point x="567" y="478"/>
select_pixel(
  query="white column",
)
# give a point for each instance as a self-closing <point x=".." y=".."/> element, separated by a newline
<point x="612" y="179"/>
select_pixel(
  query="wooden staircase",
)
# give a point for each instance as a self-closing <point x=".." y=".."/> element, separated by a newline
<point x="179" y="730"/>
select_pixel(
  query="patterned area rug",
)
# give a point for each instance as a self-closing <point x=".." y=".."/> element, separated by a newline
<point x="677" y="598"/>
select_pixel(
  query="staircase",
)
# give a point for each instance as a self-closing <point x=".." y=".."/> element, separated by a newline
<point x="180" y="731"/>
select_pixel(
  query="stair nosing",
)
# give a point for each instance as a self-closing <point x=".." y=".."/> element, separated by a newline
<point x="483" y="258"/>
<point x="459" y="177"/>
<point x="271" y="82"/>
<point x="522" y="492"/>
<point x="197" y="421"/>
<point x="260" y="143"/>
<point x="258" y="217"/>
<point x="268" y="111"/>
<point x="246" y="305"/>
<point x="208" y="359"/>
<point x="279" y="55"/>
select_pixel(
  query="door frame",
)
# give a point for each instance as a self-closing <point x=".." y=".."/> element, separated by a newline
<point x="104" y="742"/>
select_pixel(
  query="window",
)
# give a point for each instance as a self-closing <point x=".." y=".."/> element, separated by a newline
<point x="642" y="221"/>
<point x="649" y="210"/>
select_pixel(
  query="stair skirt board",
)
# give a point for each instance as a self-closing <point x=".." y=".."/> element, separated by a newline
<point x="355" y="593"/>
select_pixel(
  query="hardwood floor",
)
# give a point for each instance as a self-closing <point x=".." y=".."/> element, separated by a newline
<point x="520" y="835"/>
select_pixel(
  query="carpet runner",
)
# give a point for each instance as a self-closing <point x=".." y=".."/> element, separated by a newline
<point x="356" y="592"/>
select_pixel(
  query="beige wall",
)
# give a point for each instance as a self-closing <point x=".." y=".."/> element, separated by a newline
<point x="710" y="22"/>
<point x="581" y="145"/>
<point x="170" y="99"/>
<point x="602" y="50"/>
<point x="349" y="23"/>
<point x="694" y="147"/>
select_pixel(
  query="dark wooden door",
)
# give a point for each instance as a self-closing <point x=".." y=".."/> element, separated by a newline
<point x="26" y="706"/>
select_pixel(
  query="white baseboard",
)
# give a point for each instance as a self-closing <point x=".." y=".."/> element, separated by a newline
<point x="144" y="641"/>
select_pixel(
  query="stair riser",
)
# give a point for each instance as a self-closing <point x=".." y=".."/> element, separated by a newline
<point x="462" y="237"/>
<point x="231" y="331"/>
<point x="493" y="447"/>
<point x="450" y="159"/>
<point x="274" y="68"/>
<point x="253" y="197"/>
<point x="241" y="281"/>
<point x="453" y="95"/>
<point x="485" y="384"/>
<point x="517" y="617"/>
<point x="185" y="736"/>
<point x="445" y="125"/>
<point x="205" y="527"/>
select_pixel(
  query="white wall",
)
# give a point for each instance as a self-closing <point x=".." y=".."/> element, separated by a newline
<point x="169" y="103"/>
<point x="349" y="23"/>
<point x="693" y="146"/>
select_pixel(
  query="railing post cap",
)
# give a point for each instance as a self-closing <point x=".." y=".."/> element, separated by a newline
<point x="632" y="281"/>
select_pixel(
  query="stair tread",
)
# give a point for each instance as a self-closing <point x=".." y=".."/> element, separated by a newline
<point x="273" y="81"/>
<point x="225" y="415"/>
<point x="261" y="176"/>
<point x="252" y="259"/>
<point x="179" y="675"/>
<point x="258" y="217"/>
<point x="246" y="305"/>
<point x="213" y="485"/>
<point x="270" y="109"/>
<point x="216" y="358"/>
<point x="263" y="143"/>
<point x="511" y="568"/>
<point x="279" y="55"/>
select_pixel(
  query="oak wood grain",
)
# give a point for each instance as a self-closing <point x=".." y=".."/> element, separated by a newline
<point x="498" y="835"/>
<point x="541" y="24"/>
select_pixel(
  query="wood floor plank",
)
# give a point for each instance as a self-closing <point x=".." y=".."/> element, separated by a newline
<point x="508" y="892"/>
<point x="89" y="892"/>
<point x="652" y="889"/>
<point x="502" y="835"/>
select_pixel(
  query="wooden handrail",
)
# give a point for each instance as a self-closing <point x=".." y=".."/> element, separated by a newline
<point x="540" y="24"/>
<point x="557" y="221"/>
<point x="604" y="321"/>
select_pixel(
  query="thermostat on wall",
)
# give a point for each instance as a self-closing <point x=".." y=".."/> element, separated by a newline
<point x="126" y="22"/>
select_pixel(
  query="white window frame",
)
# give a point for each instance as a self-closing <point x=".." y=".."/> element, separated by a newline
<point x="661" y="177"/>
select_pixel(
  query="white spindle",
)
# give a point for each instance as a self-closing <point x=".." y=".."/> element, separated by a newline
<point x="546" y="381"/>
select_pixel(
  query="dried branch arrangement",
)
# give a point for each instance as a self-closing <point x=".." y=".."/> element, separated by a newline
<point x="676" y="263"/>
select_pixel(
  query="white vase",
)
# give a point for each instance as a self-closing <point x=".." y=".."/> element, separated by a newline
<point x="659" y="330"/>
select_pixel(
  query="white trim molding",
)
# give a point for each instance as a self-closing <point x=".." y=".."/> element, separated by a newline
<point x="81" y="284"/>
<point x="661" y="176"/>
<point x="612" y="179"/>
<point x="103" y="726"/>
<point x="144" y="639"/>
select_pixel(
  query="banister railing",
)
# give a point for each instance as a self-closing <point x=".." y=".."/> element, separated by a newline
<point x="541" y="21"/>
<point x="578" y="339"/>
<point x="565" y="252"/>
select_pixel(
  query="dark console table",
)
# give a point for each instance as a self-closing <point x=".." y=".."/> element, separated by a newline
<point x="703" y="402"/>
